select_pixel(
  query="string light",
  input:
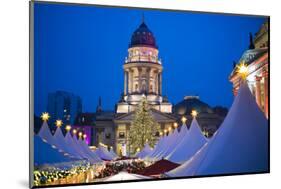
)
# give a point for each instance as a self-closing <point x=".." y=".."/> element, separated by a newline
<point x="176" y="125"/>
<point x="170" y="128"/>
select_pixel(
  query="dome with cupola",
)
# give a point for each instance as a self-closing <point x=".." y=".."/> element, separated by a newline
<point x="143" y="37"/>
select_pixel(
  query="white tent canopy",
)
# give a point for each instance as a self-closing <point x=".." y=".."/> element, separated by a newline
<point x="126" y="176"/>
<point x="189" y="145"/>
<point x="104" y="154"/>
<point x="144" y="152"/>
<point x="239" y="146"/>
<point x="113" y="153"/>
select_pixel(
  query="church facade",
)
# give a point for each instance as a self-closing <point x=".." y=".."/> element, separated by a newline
<point x="142" y="79"/>
<point x="257" y="60"/>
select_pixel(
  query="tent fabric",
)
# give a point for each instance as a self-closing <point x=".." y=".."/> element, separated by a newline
<point x="60" y="142"/>
<point x="189" y="145"/>
<point x="158" y="168"/>
<point x="93" y="156"/>
<point x="45" y="153"/>
<point x="104" y="154"/>
<point x="239" y="146"/>
<point x="46" y="134"/>
<point x="126" y="176"/>
<point x="144" y="152"/>
<point x="113" y="153"/>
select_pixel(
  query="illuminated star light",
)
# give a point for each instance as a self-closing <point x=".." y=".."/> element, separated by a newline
<point x="243" y="70"/>
<point x="67" y="128"/>
<point x="45" y="116"/>
<point x="194" y="113"/>
<point x="59" y="123"/>
<point x="183" y="119"/>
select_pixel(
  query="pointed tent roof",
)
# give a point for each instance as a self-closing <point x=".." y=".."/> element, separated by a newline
<point x="45" y="133"/>
<point x="61" y="143"/>
<point x="169" y="144"/>
<point x="69" y="141"/>
<point x="113" y="153"/>
<point x="239" y="146"/>
<point x="144" y="152"/>
<point x="45" y="153"/>
<point x="190" y="144"/>
<point x="156" y="148"/>
<point x="93" y="156"/>
<point x="104" y="154"/>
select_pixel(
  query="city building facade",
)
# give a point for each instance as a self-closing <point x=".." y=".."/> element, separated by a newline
<point x="257" y="60"/>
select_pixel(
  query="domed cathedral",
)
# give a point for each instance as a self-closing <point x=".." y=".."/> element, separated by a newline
<point x="143" y="73"/>
<point x="142" y="78"/>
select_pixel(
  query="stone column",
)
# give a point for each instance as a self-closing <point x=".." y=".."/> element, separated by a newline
<point x="265" y="74"/>
<point x="139" y="79"/>
<point x="147" y="80"/>
<point x="155" y="87"/>
<point x="125" y="81"/>
<point x="258" y="90"/>
<point x="131" y="75"/>
<point x="160" y="83"/>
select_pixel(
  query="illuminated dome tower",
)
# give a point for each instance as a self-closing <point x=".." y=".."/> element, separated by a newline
<point x="143" y="73"/>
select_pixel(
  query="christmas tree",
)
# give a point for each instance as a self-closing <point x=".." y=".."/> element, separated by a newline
<point x="143" y="128"/>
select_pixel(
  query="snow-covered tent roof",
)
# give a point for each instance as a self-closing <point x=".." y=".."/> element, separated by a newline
<point x="190" y="144"/>
<point x="144" y="152"/>
<point x="103" y="153"/>
<point x="45" y="153"/>
<point x="239" y="146"/>
<point x="126" y="176"/>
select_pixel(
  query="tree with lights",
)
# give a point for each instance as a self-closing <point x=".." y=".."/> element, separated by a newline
<point x="143" y="128"/>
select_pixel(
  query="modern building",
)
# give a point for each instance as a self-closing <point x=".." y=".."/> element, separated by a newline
<point x="256" y="59"/>
<point x="63" y="105"/>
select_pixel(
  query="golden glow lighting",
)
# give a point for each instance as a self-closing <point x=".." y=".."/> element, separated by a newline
<point x="170" y="128"/>
<point x="165" y="130"/>
<point x="194" y="113"/>
<point x="175" y="124"/>
<point x="84" y="136"/>
<point x="80" y="134"/>
<point x="68" y="127"/>
<point x="138" y="149"/>
<point x="45" y="116"/>
<point x="243" y="70"/>
<point x="183" y="119"/>
<point x="74" y="131"/>
<point x="59" y="123"/>
<point x="161" y="133"/>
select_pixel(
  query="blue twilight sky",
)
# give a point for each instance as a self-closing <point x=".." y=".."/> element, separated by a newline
<point x="81" y="49"/>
